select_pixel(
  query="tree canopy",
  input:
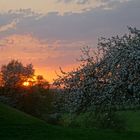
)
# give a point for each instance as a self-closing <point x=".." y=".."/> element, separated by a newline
<point x="14" y="74"/>
<point x="106" y="77"/>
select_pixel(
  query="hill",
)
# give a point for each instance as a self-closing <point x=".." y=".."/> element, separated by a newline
<point x="16" y="125"/>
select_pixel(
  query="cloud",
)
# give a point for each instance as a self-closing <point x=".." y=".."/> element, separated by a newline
<point x="74" y="1"/>
<point x="74" y="27"/>
<point x="110" y="4"/>
<point x="26" y="48"/>
<point x="46" y="6"/>
<point x="9" y="26"/>
<point x="60" y="6"/>
<point x="82" y="1"/>
<point x="31" y="49"/>
<point x="98" y="3"/>
<point x="52" y="40"/>
<point x="45" y="56"/>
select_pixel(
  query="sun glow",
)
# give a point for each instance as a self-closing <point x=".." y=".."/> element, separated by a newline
<point x="26" y="84"/>
<point x="30" y="81"/>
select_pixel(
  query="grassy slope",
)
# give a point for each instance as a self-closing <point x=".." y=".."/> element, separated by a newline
<point x="132" y="120"/>
<point x="15" y="125"/>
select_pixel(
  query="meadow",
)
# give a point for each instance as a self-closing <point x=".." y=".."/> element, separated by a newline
<point x="16" y="125"/>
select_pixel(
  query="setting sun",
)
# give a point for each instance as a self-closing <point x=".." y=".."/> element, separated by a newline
<point x="26" y="84"/>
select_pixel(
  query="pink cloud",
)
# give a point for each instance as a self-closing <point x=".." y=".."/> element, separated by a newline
<point x="46" y="57"/>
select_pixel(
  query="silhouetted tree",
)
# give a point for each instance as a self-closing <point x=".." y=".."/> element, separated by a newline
<point x="42" y="82"/>
<point x="15" y="73"/>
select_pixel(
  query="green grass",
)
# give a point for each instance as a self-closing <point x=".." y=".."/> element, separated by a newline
<point x="132" y="120"/>
<point x="15" y="125"/>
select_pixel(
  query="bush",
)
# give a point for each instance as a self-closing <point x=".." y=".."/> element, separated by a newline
<point x="90" y="120"/>
<point x="110" y="120"/>
<point x="38" y="103"/>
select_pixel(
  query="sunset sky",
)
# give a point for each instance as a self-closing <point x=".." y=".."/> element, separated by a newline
<point x="50" y="33"/>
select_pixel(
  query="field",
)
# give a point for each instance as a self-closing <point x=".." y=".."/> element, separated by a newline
<point x="15" y="125"/>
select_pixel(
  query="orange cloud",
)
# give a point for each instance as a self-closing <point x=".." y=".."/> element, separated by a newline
<point x="45" y="57"/>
